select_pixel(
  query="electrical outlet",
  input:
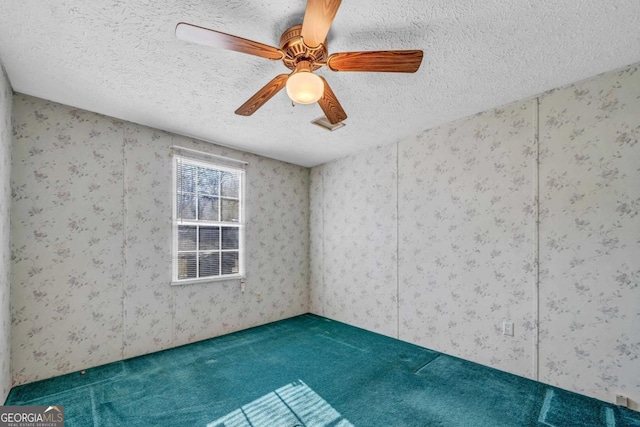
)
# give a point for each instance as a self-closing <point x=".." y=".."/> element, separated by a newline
<point x="507" y="328"/>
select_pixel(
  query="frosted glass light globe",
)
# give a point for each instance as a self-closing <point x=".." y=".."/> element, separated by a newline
<point x="304" y="87"/>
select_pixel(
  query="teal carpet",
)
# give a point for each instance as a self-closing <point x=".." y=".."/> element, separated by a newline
<point x="310" y="371"/>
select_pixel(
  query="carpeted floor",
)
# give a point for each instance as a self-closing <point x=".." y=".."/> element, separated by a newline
<point x="310" y="371"/>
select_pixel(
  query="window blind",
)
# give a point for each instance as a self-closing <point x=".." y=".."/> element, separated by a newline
<point x="208" y="219"/>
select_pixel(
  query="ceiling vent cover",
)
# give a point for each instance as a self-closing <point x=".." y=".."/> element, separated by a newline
<point x="323" y="122"/>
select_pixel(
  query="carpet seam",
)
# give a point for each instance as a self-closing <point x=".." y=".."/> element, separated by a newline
<point x="342" y="342"/>
<point x="49" y="396"/>
<point x="546" y="405"/>
<point x="416" y="371"/>
<point x="94" y="410"/>
<point x="610" y="417"/>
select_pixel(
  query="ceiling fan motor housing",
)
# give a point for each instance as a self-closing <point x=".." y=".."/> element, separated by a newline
<point x="295" y="50"/>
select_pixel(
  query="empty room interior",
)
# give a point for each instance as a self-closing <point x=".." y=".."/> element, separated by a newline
<point x="321" y="213"/>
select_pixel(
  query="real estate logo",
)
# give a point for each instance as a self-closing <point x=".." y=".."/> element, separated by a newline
<point x="31" y="416"/>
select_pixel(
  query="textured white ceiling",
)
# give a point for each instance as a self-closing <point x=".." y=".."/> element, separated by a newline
<point x="121" y="58"/>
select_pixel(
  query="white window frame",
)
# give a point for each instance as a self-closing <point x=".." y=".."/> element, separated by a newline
<point x="176" y="221"/>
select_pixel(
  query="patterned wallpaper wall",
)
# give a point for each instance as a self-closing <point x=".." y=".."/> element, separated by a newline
<point x="590" y="236"/>
<point x="466" y="215"/>
<point x="91" y="244"/>
<point x="6" y="95"/>
<point x="360" y="240"/>
<point x="467" y="237"/>
<point x="316" y="243"/>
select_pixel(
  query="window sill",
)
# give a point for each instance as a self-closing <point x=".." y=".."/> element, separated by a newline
<point x="207" y="280"/>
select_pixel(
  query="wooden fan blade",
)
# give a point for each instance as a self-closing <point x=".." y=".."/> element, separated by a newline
<point x="387" y="61"/>
<point x="263" y="95"/>
<point x="199" y="35"/>
<point x="330" y="105"/>
<point x="317" y="20"/>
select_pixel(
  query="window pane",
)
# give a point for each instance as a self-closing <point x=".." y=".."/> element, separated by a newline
<point x="187" y="238"/>
<point x="187" y="268"/>
<point x="208" y="180"/>
<point x="230" y="184"/>
<point x="209" y="238"/>
<point x="230" y="211"/>
<point x="186" y="178"/>
<point x="206" y="194"/>
<point x="186" y="206"/>
<point x="208" y="208"/>
<point x="230" y="238"/>
<point x="210" y="264"/>
<point x="230" y="263"/>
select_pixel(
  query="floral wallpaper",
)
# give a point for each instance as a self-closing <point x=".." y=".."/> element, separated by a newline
<point x="316" y="243"/>
<point x="466" y="215"/>
<point x="67" y="249"/>
<point x="147" y="297"/>
<point x="590" y="236"/>
<point x="474" y="249"/>
<point x="359" y="240"/>
<point x="91" y="245"/>
<point x="6" y="97"/>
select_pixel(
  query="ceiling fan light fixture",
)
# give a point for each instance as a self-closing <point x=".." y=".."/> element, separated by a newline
<point x="303" y="49"/>
<point x="304" y="87"/>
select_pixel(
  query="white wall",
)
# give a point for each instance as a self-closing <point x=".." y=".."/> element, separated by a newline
<point x="442" y="246"/>
<point x="91" y="221"/>
<point x="6" y="94"/>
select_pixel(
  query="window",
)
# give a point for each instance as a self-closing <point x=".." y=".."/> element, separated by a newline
<point x="208" y="221"/>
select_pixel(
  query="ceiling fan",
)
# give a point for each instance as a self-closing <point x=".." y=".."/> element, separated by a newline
<point x="303" y="50"/>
